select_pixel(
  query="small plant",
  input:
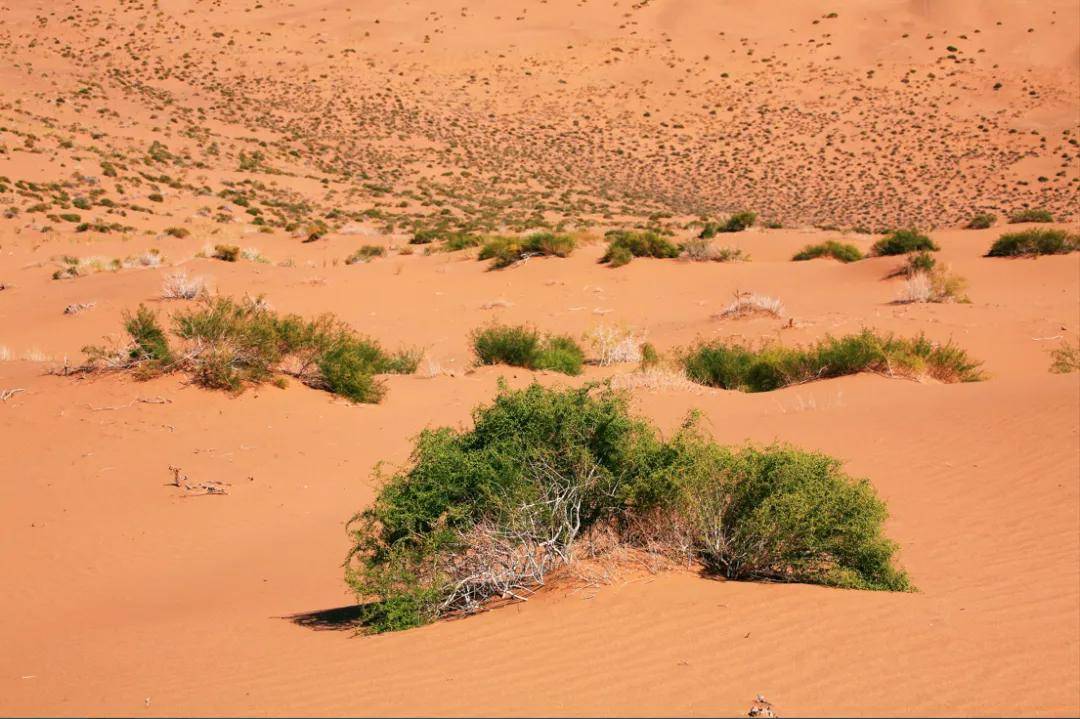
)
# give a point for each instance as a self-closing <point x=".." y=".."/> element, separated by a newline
<point x="178" y="286"/>
<point x="1031" y="215"/>
<point x="750" y="304"/>
<point x="901" y="242"/>
<point x="226" y="253"/>
<point x="492" y="512"/>
<point x="735" y="223"/>
<point x="1035" y="242"/>
<point x="772" y="366"/>
<point x="177" y="232"/>
<point x="613" y="345"/>
<point x="1066" y="358"/>
<point x="937" y="284"/>
<point x="981" y="221"/>
<point x="624" y="245"/>
<point x="365" y="254"/>
<point x="832" y="248"/>
<point x="523" y="346"/>
<point x="703" y="250"/>
<point x="506" y="251"/>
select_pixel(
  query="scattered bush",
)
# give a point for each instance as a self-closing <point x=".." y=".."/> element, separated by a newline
<point x="982" y="221"/>
<point x="493" y="511"/>
<point x="365" y="254"/>
<point x="225" y="344"/>
<point x="523" y="346"/>
<point x="735" y="223"/>
<point x="772" y="366"/>
<point x="178" y="286"/>
<point x="1066" y="358"/>
<point x="749" y="304"/>
<point x="505" y="251"/>
<point x="227" y="253"/>
<point x="901" y="242"/>
<point x="613" y="345"/>
<point x="624" y="245"/>
<point x="177" y="232"/>
<point x="1035" y="242"/>
<point x="831" y="248"/>
<point x="1031" y="215"/>
<point x="935" y="285"/>
<point x="703" y="250"/>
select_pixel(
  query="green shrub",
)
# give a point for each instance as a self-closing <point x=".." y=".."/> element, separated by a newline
<point x="901" y="242"/>
<point x="772" y="366"/>
<point x="505" y="251"/>
<point x="982" y="221"/>
<point x="460" y="241"/>
<point x="1035" y="242"/>
<point x="227" y="253"/>
<point x="1031" y="215"/>
<point x="831" y="248"/>
<point x="627" y="244"/>
<point x="523" y="346"/>
<point x="227" y="344"/>
<point x="735" y="223"/>
<point x="492" y="511"/>
<point x="365" y="254"/>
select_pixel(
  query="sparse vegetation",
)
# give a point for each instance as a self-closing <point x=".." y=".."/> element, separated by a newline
<point x="1031" y="215"/>
<point x="547" y="476"/>
<point x="178" y="286"/>
<point x="624" y="245"/>
<point x="505" y="251"/>
<point x="700" y="249"/>
<point x="901" y="242"/>
<point x="366" y="253"/>
<point x="750" y="304"/>
<point x="982" y="221"/>
<point x="1035" y="242"/>
<point x="524" y="346"/>
<point x="226" y="253"/>
<point x="772" y="365"/>
<point x="937" y="284"/>
<point x="735" y="223"/>
<point x="1065" y="358"/>
<point x="836" y="250"/>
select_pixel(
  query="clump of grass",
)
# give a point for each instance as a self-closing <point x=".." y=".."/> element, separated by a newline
<point x="703" y="250"/>
<point x="981" y="221"/>
<point x="494" y="511"/>
<point x="365" y="254"/>
<point x="737" y="222"/>
<point x="505" y="251"/>
<point x="177" y="232"/>
<point x="1035" y="242"/>
<point x="836" y="250"/>
<point x="226" y="253"/>
<point x="901" y="242"/>
<point x="523" y="346"/>
<point x="178" y="286"/>
<point x="624" y="245"/>
<point x="937" y="284"/>
<point x="614" y="345"/>
<point x="1031" y="215"/>
<point x="772" y="366"/>
<point x="227" y="344"/>
<point x="751" y="304"/>
<point x="1065" y="358"/>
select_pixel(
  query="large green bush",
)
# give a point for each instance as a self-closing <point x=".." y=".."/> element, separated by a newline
<point x="1035" y="242"/>
<point x="1031" y="215"/>
<point x="492" y="511"/>
<point x="626" y="244"/>
<point x="772" y="366"/>
<point x="836" y="250"/>
<point x="523" y="346"/>
<point x="505" y="251"/>
<point x="901" y="242"/>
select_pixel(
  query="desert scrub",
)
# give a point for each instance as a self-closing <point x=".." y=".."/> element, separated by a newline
<point x="836" y="250"/>
<point x="700" y="249"/>
<point x="937" y="284"/>
<point x="772" y="366"/>
<point x="523" y="346"/>
<point x="365" y="254"/>
<point x="1031" y="215"/>
<point x="1035" y="242"/>
<point x="226" y="253"/>
<point x="505" y="251"/>
<point x="1065" y="358"/>
<point x="901" y="242"/>
<point x="492" y="512"/>
<point x="981" y="221"/>
<point x="624" y="245"/>
<point x="227" y="344"/>
<point x="737" y="222"/>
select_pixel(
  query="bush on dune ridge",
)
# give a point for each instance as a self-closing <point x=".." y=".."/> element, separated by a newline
<point x="772" y="366"/>
<point x="523" y="346"/>
<point x="901" y="242"/>
<point x="492" y="512"/>
<point x="1035" y="242"/>
<point x="505" y="251"/>
<point x="836" y="250"/>
<point x="227" y="344"/>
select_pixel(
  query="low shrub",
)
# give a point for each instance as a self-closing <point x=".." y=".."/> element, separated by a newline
<point x="1031" y="215"/>
<point x="227" y="253"/>
<point x="365" y="254"/>
<point x="493" y="511"/>
<point x="624" y="245"/>
<point x="703" y="250"/>
<point x="836" y="250"/>
<point x="772" y="366"/>
<point x="750" y="304"/>
<point x="937" y="284"/>
<point x="901" y="242"/>
<point x="735" y="223"/>
<point x="1065" y="358"/>
<point x="178" y="286"/>
<point x="505" y="251"/>
<point x="1035" y="242"/>
<point x="227" y="344"/>
<point x="177" y="232"/>
<point x="524" y="346"/>
<point x="981" y="221"/>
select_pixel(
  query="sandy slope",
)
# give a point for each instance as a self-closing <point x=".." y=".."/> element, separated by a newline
<point x="372" y="120"/>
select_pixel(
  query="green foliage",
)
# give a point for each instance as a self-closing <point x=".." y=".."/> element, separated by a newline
<point x="1066" y="358"/>
<point x="228" y="253"/>
<point x="365" y="254"/>
<point x="981" y="221"/>
<point x="831" y="248"/>
<point x="505" y="251"/>
<point x="147" y="336"/>
<point x="901" y="242"/>
<point x="627" y="244"/>
<point x="772" y="366"/>
<point x="735" y="223"/>
<point x="1035" y="242"/>
<point x="480" y="512"/>
<point x="523" y="346"/>
<point x="1031" y="215"/>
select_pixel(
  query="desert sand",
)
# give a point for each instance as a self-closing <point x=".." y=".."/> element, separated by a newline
<point x="349" y="122"/>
